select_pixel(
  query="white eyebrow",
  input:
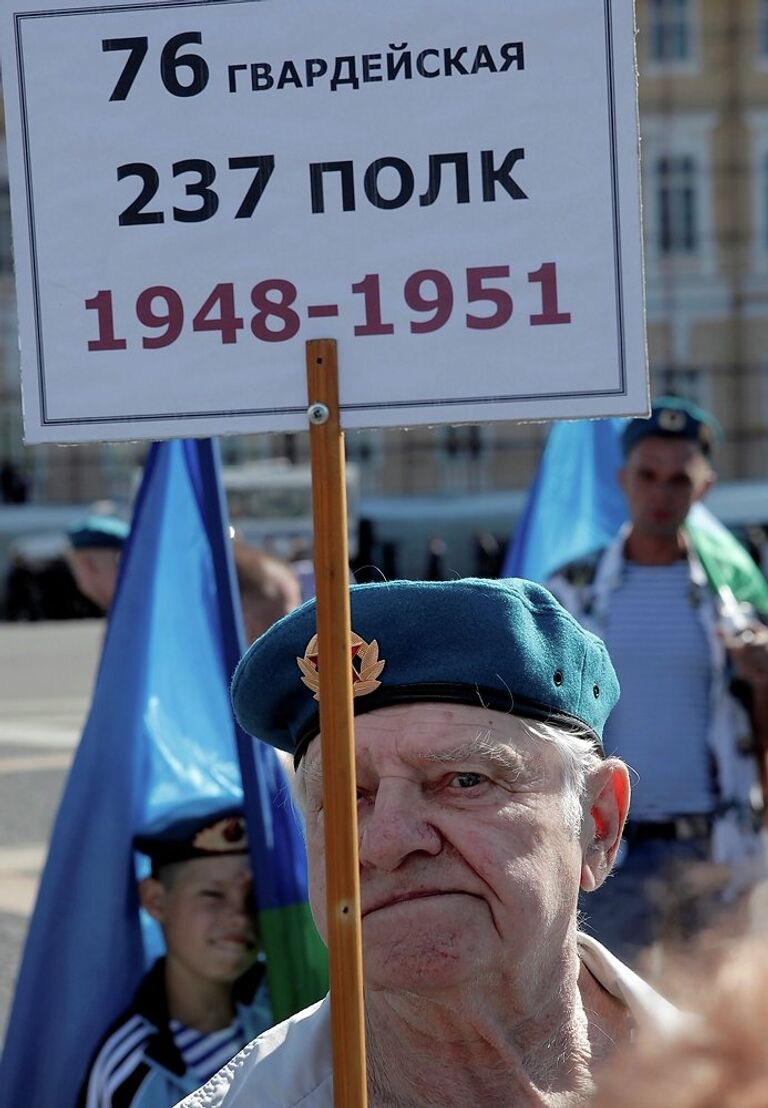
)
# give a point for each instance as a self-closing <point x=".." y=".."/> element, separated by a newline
<point x="482" y="748"/>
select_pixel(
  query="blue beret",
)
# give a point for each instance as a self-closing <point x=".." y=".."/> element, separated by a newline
<point x="673" y="418"/>
<point x="189" y="834"/>
<point x="506" y="645"/>
<point x="105" y="532"/>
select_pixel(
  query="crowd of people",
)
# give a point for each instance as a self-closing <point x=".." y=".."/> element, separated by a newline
<point x="560" y="793"/>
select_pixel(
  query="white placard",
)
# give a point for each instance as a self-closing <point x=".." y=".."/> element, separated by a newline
<point x="448" y="188"/>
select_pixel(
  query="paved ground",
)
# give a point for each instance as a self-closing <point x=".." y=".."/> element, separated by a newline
<point x="46" y="674"/>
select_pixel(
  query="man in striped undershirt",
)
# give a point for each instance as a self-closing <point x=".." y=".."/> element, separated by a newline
<point x="200" y="1004"/>
<point x="692" y="720"/>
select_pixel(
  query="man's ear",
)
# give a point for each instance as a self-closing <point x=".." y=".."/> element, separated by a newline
<point x="152" y="894"/>
<point x="707" y="481"/>
<point x="608" y="800"/>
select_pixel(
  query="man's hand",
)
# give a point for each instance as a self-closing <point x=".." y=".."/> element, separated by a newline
<point x="749" y="653"/>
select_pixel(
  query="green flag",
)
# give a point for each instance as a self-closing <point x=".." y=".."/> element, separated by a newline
<point x="725" y="561"/>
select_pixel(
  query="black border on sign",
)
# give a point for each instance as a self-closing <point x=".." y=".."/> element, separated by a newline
<point x="620" y="390"/>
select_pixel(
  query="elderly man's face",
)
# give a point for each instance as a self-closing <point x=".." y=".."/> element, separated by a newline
<point x="469" y="863"/>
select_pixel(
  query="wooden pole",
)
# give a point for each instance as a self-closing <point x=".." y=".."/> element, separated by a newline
<point x="329" y="507"/>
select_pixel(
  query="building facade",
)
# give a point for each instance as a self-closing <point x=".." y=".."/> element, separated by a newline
<point x="704" y="122"/>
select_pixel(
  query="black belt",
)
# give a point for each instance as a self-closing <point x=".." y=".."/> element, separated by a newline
<point x="670" y="830"/>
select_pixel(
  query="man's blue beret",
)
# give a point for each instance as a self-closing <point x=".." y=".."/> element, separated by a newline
<point x="189" y="833"/>
<point x="674" y="418"/>
<point x="506" y="645"/>
<point x="101" y="532"/>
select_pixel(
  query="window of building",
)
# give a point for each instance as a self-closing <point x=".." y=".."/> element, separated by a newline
<point x="670" y="34"/>
<point x="677" y="184"/>
<point x="365" y="446"/>
<point x="681" y="381"/>
<point x="678" y="209"/>
<point x="463" y="442"/>
<point x="464" y="456"/>
<point x="758" y="232"/>
<point x="763" y="215"/>
<point x="762" y="28"/>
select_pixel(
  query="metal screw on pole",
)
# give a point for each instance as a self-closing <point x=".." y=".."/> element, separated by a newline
<point x="318" y="414"/>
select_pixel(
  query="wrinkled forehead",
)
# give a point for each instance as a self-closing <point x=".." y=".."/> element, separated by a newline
<point x="423" y="734"/>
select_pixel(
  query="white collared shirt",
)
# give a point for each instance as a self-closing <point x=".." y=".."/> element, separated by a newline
<point x="289" y="1066"/>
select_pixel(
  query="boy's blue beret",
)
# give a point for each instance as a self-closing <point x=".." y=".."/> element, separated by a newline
<point x="674" y="418"/>
<point x="506" y="645"/>
<point x="186" y="834"/>
<point x="102" y="532"/>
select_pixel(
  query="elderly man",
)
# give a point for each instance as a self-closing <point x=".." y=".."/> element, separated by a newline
<point x="484" y="805"/>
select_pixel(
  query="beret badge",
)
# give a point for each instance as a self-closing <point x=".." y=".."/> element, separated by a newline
<point x="366" y="666"/>
<point x="226" y="836"/>
<point x="671" y="420"/>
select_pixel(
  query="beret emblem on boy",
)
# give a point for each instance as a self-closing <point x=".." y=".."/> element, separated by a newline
<point x="227" y="835"/>
<point x="366" y="666"/>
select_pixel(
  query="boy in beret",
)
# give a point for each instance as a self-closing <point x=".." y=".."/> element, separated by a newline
<point x="693" y="718"/>
<point x="484" y="804"/>
<point x="206" y="997"/>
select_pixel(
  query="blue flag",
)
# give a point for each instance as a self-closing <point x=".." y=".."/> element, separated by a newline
<point x="575" y="504"/>
<point x="160" y="733"/>
<point x="297" y="963"/>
